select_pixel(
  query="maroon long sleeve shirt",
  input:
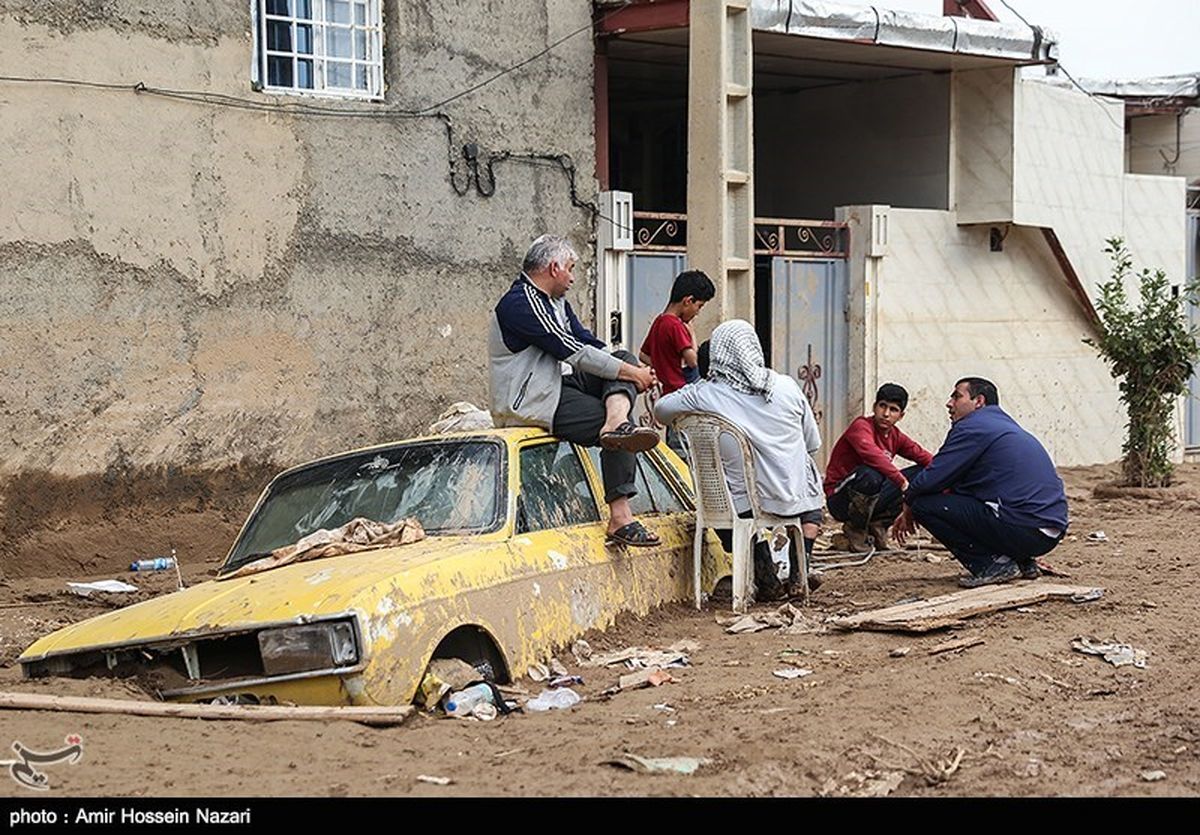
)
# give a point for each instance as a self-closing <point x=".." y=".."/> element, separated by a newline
<point x="863" y="443"/>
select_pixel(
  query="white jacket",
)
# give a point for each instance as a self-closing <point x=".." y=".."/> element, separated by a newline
<point x="783" y="434"/>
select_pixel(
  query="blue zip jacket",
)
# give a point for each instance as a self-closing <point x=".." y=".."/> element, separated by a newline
<point x="989" y="457"/>
<point x="530" y="336"/>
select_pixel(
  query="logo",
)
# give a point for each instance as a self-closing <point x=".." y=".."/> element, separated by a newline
<point x="24" y="769"/>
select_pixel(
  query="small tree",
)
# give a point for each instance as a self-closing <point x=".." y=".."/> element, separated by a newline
<point x="1151" y="350"/>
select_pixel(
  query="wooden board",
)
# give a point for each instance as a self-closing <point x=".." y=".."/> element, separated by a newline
<point x="950" y="609"/>
<point x="253" y="713"/>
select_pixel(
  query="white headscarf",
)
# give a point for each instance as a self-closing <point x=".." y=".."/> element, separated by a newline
<point x="736" y="359"/>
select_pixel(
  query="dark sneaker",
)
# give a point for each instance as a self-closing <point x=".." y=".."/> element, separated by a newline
<point x="1001" y="571"/>
<point x="1030" y="570"/>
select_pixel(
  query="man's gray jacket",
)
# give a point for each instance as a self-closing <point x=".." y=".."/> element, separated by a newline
<point x="531" y="336"/>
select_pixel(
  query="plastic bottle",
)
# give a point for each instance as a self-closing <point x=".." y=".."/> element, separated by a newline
<point x="563" y="697"/>
<point x="156" y="564"/>
<point x="461" y="702"/>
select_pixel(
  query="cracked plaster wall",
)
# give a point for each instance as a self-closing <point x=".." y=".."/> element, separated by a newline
<point x="200" y="286"/>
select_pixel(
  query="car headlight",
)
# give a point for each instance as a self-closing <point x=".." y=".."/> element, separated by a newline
<point x="314" y="646"/>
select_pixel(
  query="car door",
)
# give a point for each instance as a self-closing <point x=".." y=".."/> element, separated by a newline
<point x="558" y="540"/>
<point x="663" y="506"/>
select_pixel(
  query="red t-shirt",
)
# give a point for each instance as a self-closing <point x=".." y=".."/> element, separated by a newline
<point x="863" y="443"/>
<point x="665" y="343"/>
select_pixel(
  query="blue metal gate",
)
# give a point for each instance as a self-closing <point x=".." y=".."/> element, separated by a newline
<point x="810" y="337"/>
<point x="651" y="275"/>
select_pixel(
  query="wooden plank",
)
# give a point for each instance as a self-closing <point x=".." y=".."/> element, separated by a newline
<point x="951" y="646"/>
<point x="253" y="713"/>
<point x="950" y="609"/>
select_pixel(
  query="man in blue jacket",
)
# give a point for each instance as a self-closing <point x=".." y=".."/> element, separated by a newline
<point x="991" y="494"/>
<point x="548" y="370"/>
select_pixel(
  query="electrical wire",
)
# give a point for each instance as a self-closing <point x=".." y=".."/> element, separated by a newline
<point x="1099" y="100"/>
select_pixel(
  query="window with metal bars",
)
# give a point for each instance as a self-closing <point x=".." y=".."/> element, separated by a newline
<point x="323" y="47"/>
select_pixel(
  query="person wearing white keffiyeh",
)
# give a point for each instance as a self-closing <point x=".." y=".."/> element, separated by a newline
<point x="736" y="359"/>
<point x="776" y="417"/>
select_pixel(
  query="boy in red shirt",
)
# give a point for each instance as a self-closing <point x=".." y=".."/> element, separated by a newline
<point x="670" y="346"/>
<point x="863" y="488"/>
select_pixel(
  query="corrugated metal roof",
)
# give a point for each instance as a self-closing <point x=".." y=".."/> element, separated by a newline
<point x="888" y="27"/>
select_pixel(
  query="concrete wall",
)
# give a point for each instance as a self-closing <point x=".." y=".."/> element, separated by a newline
<point x="870" y="142"/>
<point x="1037" y="155"/>
<point x="1150" y="137"/>
<point x="190" y="285"/>
<point x="982" y="130"/>
<point x="944" y="306"/>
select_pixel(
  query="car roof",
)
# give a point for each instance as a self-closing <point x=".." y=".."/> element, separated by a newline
<point x="508" y="436"/>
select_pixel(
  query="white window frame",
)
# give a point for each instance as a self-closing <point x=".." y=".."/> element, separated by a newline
<point x="365" y="36"/>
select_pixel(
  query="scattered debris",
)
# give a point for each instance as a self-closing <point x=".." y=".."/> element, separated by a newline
<point x="538" y="672"/>
<point x="461" y="417"/>
<point x="1153" y="776"/>
<point x="792" y="672"/>
<point x="665" y="707"/>
<point x="658" y="765"/>
<point x="900" y="652"/>
<point x="788" y="618"/>
<point x="955" y="646"/>
<point x="563" y="697"/>
<point x="1147" y="604"/>
<point x="865" y="784"/>
<point x="640" y="679"/>
<point x="1097" y="536"/>
<point x="1087" y="596"/>
<point x="437" y="781"/>
<point x="979" y="674"/>
<point x="444" y="675"/>
<point x="638" y="658"/>
<point x="754" y="623"/>
<point x="934" y="558"/>
<point x="1117" y="654"/>
<point x="557" y="668"/>
<point x="951" y="609"/>
<point x="565" y="681"/>
<point x="1025" y="610"/>
<point x="86" y="589"/>
<point x="582" y="651"/>
<point x="1056" y="682"/>
<point x="485" y="711"/>
<point x="934" y="770"/>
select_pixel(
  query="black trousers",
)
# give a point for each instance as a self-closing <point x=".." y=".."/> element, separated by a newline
<point x="870" y="482"/>
<point x="580" y="415"/>
<point x="975" y="535"/>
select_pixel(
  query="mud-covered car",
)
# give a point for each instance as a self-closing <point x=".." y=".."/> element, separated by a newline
<point x="514" y="564"/>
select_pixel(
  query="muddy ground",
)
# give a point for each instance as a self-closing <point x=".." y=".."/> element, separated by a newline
<point x="1030" y="716"/>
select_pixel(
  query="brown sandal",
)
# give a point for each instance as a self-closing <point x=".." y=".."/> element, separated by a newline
<point x="634" y="534"/>
<point x="629" y="437"/>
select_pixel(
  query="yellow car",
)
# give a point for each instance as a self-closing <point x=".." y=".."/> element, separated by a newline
<point x="513" y="566"/>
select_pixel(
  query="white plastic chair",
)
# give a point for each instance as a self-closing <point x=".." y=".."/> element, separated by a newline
<point x="714" y="505"/>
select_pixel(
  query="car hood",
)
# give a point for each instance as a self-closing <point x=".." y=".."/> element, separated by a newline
<point x="290" y="592"/>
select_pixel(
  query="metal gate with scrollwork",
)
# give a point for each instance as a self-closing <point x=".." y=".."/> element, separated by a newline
<point x="810" y="337"/>
<point x="809" y="284"/>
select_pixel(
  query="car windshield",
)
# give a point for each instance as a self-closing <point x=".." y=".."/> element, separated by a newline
<point x="448" y="486"/>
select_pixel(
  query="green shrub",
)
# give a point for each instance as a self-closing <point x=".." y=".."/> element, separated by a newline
<point x="1151" y="350"/>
